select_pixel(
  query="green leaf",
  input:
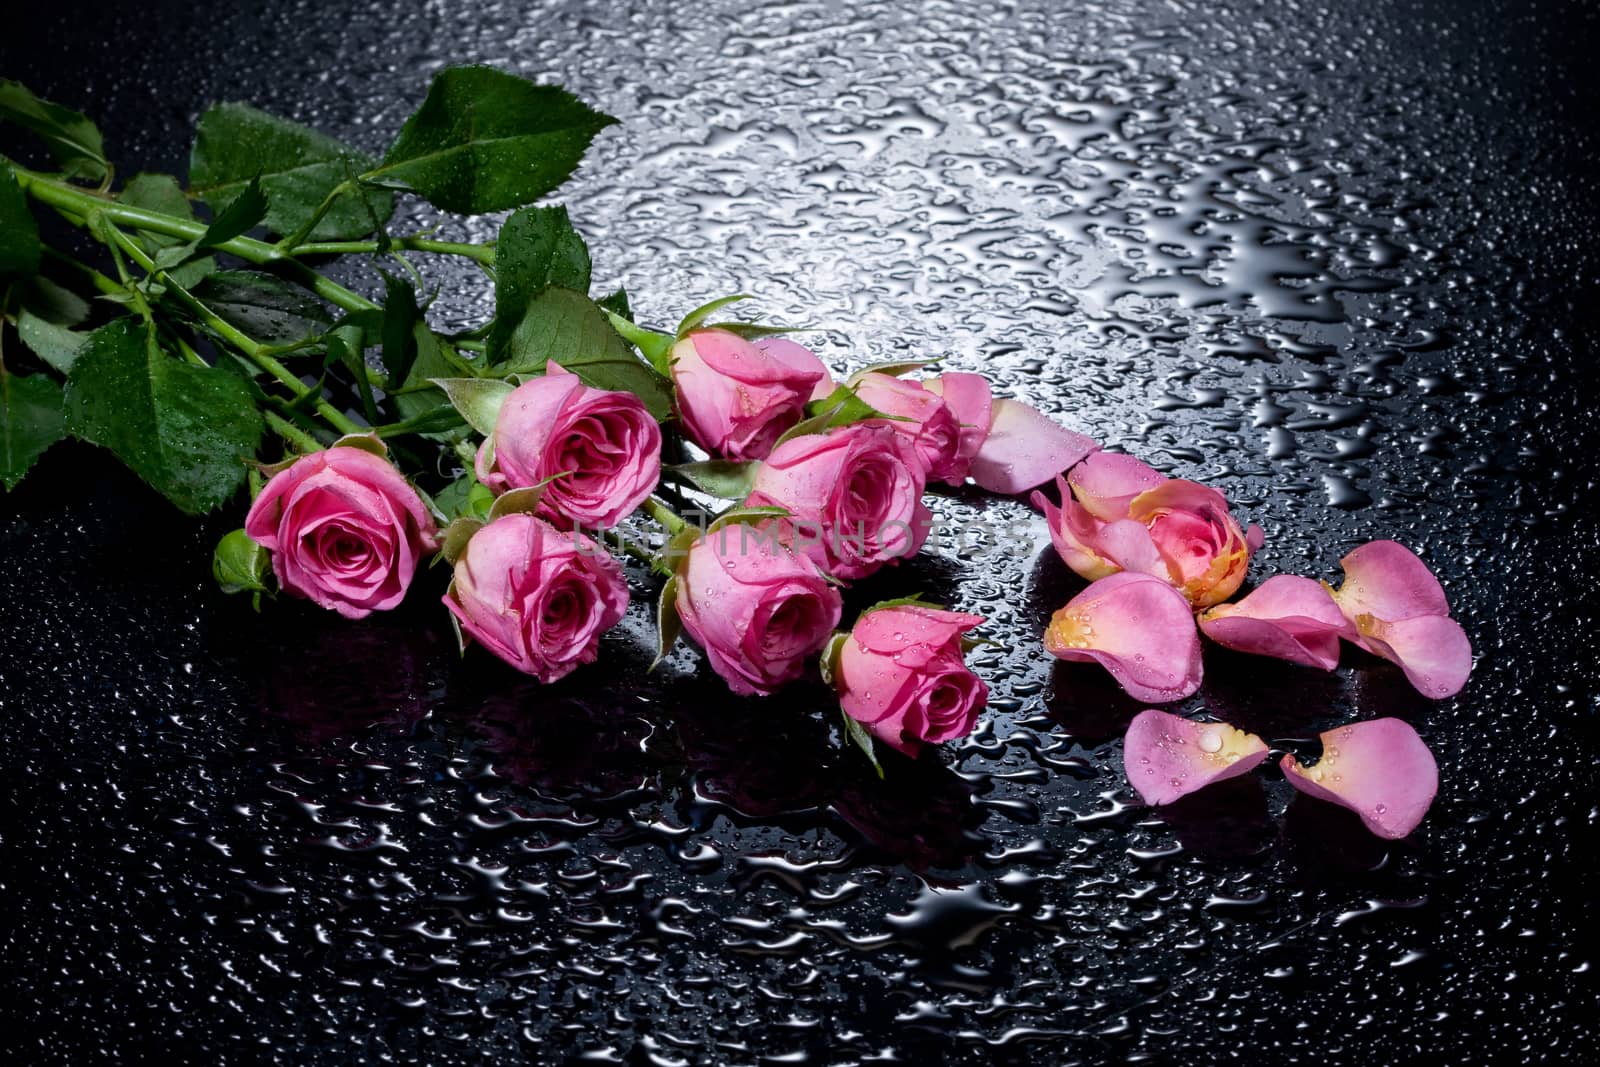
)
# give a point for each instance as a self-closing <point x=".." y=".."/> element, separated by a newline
<point x="568" y="328"/>
<point x="705" y="311"/>
<point x="617" y="304"/>
<point x="56" y="345"/>
<point x="265" y="307"/>
<point x="440" y="419"/>
<point x="239" y="564"/>
<point x="669" y="624"/>
<point x="720" y="477"/>
<point x="161" y="192"/>
<point x="478" y="399"/>
<point x="484" y="141"/>
<point x="863" y="740"/>
<point x="30" y="422"/>
<point x="400" y="318"/>
<point x="434" y="360"/>
<point x="347" y="349"/>
<point x="19" y="231"/>
<point x="53" y="303"/>
<point x="184" y="429"/>
<point x="244" y="212"/>
<point x="299" y="169"/>
<point x="73" y="140"/>
<point x="537" y="248"/>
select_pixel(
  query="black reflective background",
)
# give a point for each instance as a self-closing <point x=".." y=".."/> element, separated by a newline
<point x="1337" y="260"/>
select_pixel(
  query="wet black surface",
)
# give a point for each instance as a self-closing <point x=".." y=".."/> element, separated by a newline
<point x="1336" y="260"/>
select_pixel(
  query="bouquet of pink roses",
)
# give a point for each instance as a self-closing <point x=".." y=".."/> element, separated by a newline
<point x="528" y="452"/>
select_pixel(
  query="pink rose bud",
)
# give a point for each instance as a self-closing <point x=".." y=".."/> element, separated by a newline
<point x="345" y="530"/>
<point x="537" y="597"/>
<point x="902" y="675"/>
<point x="923" y="419"/>
<point x="1117" y="514"/>
<point x="600" y="451"/>
<point x="756" y="608"/>
<point x="854" y="496"/>
<point x="736" y="398"/>
<point x="1006" y="445"/>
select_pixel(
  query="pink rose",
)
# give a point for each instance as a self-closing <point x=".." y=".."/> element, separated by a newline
<point x="345" y="530"/>
<point x="602" y="449"/>
<point x="736" y="398"/>
<point x="1006" y="445"/>
<point x="1118" y="514"/>
<point x="537" y="597"/>
<point x="854" y="495"/>
<point x="901" y="674"/>
<point x="922" y="418"/>
<point x="756" y="608"/>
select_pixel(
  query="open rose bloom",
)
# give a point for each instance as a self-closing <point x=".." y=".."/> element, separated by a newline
<point x="344" y="528"/>
<point x="737" y="397"/>
<point x="854" y="495"/>
<point x="1118" y="514"/>
<point x="537" y="597"/>
<point x="758" y="609"/>
<point x="596" y="452"/>
<point x="901" y="673"/>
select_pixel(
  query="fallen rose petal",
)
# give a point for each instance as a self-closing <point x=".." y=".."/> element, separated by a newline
<point x="1167" y="756"/>
<point x="1387" y="580"/>
<point x="1380" y="770"/>
<point x="1287" y="617"/>
<point x="1135" y="626"/>
<point x="1433" y="650"/>
<point x="1025" y="448"/>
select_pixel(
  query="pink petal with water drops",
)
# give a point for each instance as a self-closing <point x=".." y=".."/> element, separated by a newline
<point x="1286" y="617"/>
<point x="1433" y="651"/>
<point x="1167" y="756"/>
<point x="1380" y="770"/>
<point x="1137" y="627"/>
<point x="1387" y="580"/>
<point x="1025" y="448"/>
<point x="968" y="396"/>
<point x="1106" y="483"/>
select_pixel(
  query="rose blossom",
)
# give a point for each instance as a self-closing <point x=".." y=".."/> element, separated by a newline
<point x="1118" y="514"/>
<point x="1007" y="446"/>
<point x="737" y="397"/>
<point x="600" y="451"/>
<point x="901" y="674"/>
<point x="922" y="418"/>
<point x="756" y="608"/>
<point x="854" y="496"/>
<point x="537" y="597"/>
<point x="345" y="530"/>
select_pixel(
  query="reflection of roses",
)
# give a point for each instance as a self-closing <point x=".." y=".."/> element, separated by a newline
<point x="341" y="680"/>
<point x="565" y="748"/>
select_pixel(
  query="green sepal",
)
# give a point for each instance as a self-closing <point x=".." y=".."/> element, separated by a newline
<point x="654" y="346"/>
<point x="863" y="740"/>
<point x="454" y="540"/>
<point x="522" y="501"/>
<point x="724" y="478"/>
<point x="828" y="662"/>
<point x="741" y="516"/>
<point x="669" y="624"/>
<point x="752" y="331"/>
<point x="367" y="442"/>
<point x="477" y="399"/>
<point x="892" y="368"/>
<point x="700" y="314"/>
